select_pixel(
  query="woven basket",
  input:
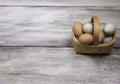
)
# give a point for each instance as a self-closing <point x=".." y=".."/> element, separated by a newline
<point x="96" y="48"/>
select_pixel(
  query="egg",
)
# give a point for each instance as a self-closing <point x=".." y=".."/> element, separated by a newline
<point x="77" y="28"/>
<point x="102" y="26"/>
<point x="108" y="39"/>
<point x="101" y="36"/>
<point x="86" y="39"/>
<point x="109" y="29"/>
<point x="88" y="28"/>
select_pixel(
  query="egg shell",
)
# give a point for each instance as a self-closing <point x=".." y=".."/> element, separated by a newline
<point x="101" y="36"/>
<point x="102" y="26"/>
<point x="77" y="28"/>
<point x="109" y="29"/>
<point x="108" y="39"/>
<point x="86" y="39"/>
<point x="88" y="28"/>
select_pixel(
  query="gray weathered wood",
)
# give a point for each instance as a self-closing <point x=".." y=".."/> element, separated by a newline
<point x="48" y="23"/>
<point x="48" y="26"/>
<point x="61" y="2"/>
<point x="33" y="65"/>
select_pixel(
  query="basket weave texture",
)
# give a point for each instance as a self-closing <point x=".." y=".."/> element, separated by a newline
<point x="96" y="48"/>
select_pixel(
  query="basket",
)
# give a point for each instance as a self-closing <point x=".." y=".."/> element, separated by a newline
<point x="96" y="47"/>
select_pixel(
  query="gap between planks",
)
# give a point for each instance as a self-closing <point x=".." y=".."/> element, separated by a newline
<point x="113" y="8"/>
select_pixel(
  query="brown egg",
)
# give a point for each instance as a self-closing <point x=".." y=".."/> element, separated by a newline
<point x="101" y="36"/>
<point x="77" y="28"/>
<point x="86" y="39"/>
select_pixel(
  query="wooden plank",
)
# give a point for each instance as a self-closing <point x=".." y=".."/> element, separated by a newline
<point x="57" y="65"/>
<point x="48" y="26"/>
<point x="53" y="79"/>
<point x="61" y="2"/>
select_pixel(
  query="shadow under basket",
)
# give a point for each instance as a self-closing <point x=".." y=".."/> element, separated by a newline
<point x="96" y="48"/>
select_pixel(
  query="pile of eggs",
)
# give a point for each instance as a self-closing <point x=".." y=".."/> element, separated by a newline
<point x="84" y="32"/>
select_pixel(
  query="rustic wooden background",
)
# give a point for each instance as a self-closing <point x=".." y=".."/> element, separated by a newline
<point x="36" y="45"/>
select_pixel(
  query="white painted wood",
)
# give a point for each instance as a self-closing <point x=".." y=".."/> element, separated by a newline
<point x="48" y="23"/>
<point x="33" y="65"/>
<point x="61" y="2"/>
<point x="48" y="26"/>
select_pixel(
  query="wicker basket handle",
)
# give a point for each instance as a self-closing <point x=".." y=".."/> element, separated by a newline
<point x="95" y="21"/>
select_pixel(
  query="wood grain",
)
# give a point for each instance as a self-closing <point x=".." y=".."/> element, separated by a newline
<point x="36" y="42"/>
<point x="48" y="26"/>
<point x="52" y="65"/>
<point x="60" y="2"/>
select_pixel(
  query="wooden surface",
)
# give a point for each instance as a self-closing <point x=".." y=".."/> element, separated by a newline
<point x="47" y="26"/>
<point x="60" y="3"/>
<point x="36" y="42"/>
